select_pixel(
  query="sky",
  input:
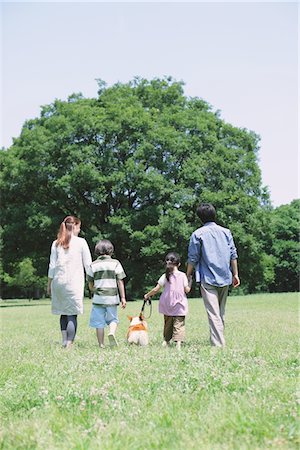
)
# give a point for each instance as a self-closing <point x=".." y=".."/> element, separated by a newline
<point x="241" y="57"/>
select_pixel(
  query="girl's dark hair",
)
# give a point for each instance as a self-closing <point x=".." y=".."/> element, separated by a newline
<point x="206" y="212"/>
<point x="104" y="247"/>
<point x="172" y="259"/>
<point x="66" y="230"/>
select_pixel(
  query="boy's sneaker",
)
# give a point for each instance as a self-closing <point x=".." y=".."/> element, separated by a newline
<point x="112" y="340"/>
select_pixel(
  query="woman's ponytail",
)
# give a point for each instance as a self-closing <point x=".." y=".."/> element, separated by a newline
<point x="65" y="231"/>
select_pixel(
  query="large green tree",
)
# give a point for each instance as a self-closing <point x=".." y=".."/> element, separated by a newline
<point x="286" y="247"/>
<point x="133" y="164"/>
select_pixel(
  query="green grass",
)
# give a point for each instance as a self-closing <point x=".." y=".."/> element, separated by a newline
<point x="132" y="398"/>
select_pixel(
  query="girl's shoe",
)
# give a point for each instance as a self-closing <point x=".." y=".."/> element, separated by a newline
<point x="101" y="346"/>
<point x="166" y="344"/>
<point x="178" y="345"/>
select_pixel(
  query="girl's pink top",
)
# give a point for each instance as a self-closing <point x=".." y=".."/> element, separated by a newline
<point x="173" y="300"/>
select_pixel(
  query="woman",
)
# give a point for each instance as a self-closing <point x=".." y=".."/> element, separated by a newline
<point x="70" y="256"/>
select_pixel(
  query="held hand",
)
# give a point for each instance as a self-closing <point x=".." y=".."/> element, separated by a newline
<point x="235" y="281"/>
<point x="146" y="297"/>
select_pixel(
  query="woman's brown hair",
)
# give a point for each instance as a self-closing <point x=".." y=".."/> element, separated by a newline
<point x="66" y="230"/>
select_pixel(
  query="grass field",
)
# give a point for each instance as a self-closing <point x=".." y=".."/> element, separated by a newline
<point x="131" y="398"/>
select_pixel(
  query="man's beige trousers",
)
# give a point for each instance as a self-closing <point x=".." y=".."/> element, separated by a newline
<point x="215" y="300"/>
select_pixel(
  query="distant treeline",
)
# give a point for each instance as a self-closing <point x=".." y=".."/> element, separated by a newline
<point x="133" y="164"/>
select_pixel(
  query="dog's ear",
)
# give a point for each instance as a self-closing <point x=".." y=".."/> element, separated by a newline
<point x="129" y="318"/>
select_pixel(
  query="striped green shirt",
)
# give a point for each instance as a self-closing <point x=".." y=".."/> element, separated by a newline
<point x="104" y="273"/>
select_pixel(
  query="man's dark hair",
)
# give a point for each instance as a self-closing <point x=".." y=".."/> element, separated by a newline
<point x="104" y="247"/>
<point x="206" y="212"/>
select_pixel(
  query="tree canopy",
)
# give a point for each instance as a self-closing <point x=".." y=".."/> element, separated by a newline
<point x="285" y="247"/>
<point x="133" y="164"/>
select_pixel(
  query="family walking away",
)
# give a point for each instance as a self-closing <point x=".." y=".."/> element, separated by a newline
<point x="212" y="253"/>
<point x="173" y="302"/>
<point x="105" y="276"/>
<point x="70" y="257"/>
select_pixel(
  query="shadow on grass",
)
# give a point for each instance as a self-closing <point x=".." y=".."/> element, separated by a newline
<point x="18" y="305"/>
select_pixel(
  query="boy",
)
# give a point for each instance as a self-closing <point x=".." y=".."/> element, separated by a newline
<point x="105" y="276"/>
<point x="212" y="251"/>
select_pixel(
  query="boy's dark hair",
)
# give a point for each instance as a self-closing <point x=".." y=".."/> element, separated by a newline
<point x="104" y="247"/>
<point x="172" y="259"/>
<point x="206" y="212"/>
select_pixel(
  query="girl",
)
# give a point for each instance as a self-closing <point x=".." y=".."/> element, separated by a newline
<point x="173" y="301"/>
<point x="70" y="257"/>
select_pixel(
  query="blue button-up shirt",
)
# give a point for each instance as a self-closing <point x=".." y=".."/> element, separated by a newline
<point x="211" y="249"/>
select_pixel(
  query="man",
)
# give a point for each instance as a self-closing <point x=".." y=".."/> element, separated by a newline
<point x="213" y="254"/>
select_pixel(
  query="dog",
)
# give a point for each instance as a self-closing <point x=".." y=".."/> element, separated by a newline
<point x="138" y="331"/>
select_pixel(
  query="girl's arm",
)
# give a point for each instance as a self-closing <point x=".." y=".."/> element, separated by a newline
<point x="188" y="284"/>
<point x="152" y="292"/>
<point x="187" y="289"/>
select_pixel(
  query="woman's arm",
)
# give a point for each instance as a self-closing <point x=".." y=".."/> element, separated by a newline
<point x="86" y="256"/>
<point x="49" y="286"/>
<point x="52" y="264"/>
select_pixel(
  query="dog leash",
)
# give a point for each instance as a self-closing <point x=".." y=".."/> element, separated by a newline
<point x="149" y="303"/>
